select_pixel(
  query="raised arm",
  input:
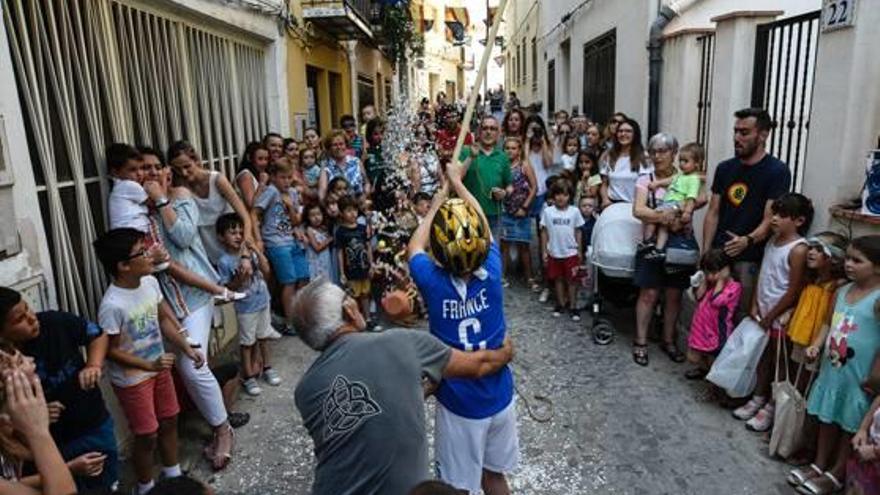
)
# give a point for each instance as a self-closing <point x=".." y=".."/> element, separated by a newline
<point x="421" y="238"/>
<point x="457" y="186"/>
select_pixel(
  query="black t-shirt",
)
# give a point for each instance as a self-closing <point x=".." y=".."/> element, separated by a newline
<point x="744" y="191"/>
<point x="57" y="356"/>
<point x="353" y="243"/>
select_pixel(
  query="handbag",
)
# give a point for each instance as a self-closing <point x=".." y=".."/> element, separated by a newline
<point x="682" y="252"/>
<point x="736" y="366"/>
<point x="788" y="420"/>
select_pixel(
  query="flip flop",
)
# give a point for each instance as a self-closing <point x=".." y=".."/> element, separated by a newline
<point x="220" y="461"/>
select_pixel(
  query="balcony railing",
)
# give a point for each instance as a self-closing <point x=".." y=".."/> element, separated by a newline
<point x="340" y="17"/>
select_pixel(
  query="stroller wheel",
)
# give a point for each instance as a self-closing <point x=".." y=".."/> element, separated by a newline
<point x="603" y="332"/>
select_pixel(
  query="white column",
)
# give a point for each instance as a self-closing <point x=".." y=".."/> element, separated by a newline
<point x="351" y="51"/>
<point x="732" y="84"/>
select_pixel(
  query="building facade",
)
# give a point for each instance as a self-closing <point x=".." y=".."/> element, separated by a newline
<point x="77" y="76"/>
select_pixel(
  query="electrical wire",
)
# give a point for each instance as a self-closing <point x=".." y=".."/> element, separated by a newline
<point x="565" y="18"/>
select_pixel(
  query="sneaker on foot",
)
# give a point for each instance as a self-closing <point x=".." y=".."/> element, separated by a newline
<point x="749" y="409"/>
<point x="557" y="311"/>
<point x="575" y="315"/>
<point x="252" y="387"/>
<point x="288" y="331"/>
<point x="545" y="294"/>
<point x="763" y="420"/>
<point x="271" y="377"/>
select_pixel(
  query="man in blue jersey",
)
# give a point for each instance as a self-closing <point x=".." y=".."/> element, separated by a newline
<point x="475" y="426"/>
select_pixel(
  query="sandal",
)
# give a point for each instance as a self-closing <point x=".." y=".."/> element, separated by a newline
<point x="799" y="476"/>
<point x="640" y="354"/>
<point x="671" y="350"/>
<point x="825" y="484"/>
<point x="221" y="459"/>
<point x="695" y="374"/>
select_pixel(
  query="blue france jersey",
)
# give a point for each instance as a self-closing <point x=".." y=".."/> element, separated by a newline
<point x="467" y="318"/>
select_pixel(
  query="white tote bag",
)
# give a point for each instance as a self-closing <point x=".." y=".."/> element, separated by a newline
<point x="788" y="419"/>
<point x="736" y="366"/>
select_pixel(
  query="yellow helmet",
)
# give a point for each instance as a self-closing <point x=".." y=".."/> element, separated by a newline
<point x="459" y="238"/>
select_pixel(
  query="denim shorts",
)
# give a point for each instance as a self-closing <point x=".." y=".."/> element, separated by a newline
<point x="289" y="263"/>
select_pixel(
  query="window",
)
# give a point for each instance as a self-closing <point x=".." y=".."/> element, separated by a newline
<point x="599" y="60"/>
<point x="128" y="75"/>
<point x="551" y="87"/>
<point x="366" y="91"/>
<point x="534" y="64"/>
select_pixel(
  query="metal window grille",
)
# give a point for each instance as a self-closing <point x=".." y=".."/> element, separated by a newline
<point x="551" y="87"/>
<point x="91" y="72"/>
<point x="704" y="102"/>
<point x="534" y="64"/>
<point x="785" y="65"/>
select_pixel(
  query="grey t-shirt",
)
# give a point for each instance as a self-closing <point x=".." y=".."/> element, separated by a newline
<point x="363" y="405"/>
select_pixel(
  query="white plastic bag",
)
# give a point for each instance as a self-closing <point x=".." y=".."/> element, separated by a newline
<point x="735" y="368"/>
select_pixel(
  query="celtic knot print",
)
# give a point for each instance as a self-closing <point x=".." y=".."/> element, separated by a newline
<point x="347" y="405"/>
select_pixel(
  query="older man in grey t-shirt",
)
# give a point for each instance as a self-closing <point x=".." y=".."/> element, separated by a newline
<point x="362" y="398"/>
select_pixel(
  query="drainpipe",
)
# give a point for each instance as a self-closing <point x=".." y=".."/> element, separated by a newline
<point x="665" y="14"/>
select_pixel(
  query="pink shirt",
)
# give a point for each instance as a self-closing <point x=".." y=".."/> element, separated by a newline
<point x="713" y="319"/>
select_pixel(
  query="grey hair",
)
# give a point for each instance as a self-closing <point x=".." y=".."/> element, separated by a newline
<point x="663" y="139"/>
<point x="317" y="312"/>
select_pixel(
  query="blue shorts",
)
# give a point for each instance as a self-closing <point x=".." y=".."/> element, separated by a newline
<point x="289" y="263"/>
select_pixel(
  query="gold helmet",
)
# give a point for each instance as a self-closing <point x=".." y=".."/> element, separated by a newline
<point x="459" y="238"/>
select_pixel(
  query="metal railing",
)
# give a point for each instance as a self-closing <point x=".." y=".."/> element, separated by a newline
<point x="785" y="64"/>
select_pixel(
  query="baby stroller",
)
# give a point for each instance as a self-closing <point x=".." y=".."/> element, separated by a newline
<point x="612" y="264"/>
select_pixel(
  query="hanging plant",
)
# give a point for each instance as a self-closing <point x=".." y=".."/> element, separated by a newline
<point x="397" y="27"/>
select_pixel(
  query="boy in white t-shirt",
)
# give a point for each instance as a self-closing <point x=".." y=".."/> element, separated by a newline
<point x="563" y="246"/>
<point x="136" y="318"/>
<point x="128" y="207"/>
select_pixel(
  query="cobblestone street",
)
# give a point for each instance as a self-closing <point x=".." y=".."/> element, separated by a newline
<point x="615" y="427"/>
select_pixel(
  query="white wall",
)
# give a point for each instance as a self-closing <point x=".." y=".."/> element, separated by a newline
<point x="845" y="118"/>
<point x="632" y="19"/>
<point x="35" y="252"/>
<point x="699" y="15"/>
<point x="680" y="86"/>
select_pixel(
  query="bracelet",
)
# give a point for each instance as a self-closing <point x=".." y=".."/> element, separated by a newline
<point x="162" y="204"/>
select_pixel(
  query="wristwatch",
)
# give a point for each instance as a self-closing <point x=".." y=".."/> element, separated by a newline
<point x="750" y="240"/>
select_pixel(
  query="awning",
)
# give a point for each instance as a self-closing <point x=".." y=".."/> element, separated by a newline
<point x="457" y="22"/>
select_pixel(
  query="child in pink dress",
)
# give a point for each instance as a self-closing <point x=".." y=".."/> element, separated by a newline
<point x="718" y="296"/>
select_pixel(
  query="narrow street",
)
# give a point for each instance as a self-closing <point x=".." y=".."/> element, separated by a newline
<point x="616" y="428"/>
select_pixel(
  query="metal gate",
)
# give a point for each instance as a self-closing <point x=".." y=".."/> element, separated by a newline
<point x="599" y="61"/>
<point x="785" y="63"/>
<point x="704" y="103"/>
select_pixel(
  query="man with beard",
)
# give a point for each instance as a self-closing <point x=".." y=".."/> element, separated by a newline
<point x="743" y="190"/>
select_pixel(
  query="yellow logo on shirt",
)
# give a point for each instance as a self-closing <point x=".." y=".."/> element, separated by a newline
<point x="737" y="192"/>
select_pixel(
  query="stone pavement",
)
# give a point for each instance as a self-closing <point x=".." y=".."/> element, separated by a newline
<point x="616" y="428"/>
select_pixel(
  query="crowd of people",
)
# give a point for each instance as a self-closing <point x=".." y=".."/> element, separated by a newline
<point x="333" y="236"/>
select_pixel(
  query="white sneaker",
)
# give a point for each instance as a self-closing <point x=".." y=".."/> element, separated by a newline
<point x="545" y="294"/>
<point x="271" y="377"/>
<point x="749" y="409"/>
<point x="252" y="387"/>
<point x="763" y="420"/>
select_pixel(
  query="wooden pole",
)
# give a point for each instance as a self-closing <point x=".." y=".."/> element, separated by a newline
<point x="472" y="100"/>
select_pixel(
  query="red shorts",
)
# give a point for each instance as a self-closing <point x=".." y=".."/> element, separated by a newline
<point x="565" y="268"/>
<point x="148" y="402"/>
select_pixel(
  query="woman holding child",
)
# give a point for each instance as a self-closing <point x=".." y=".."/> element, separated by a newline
<point x="652" y="276"/>
<point x="178" y="221"/>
